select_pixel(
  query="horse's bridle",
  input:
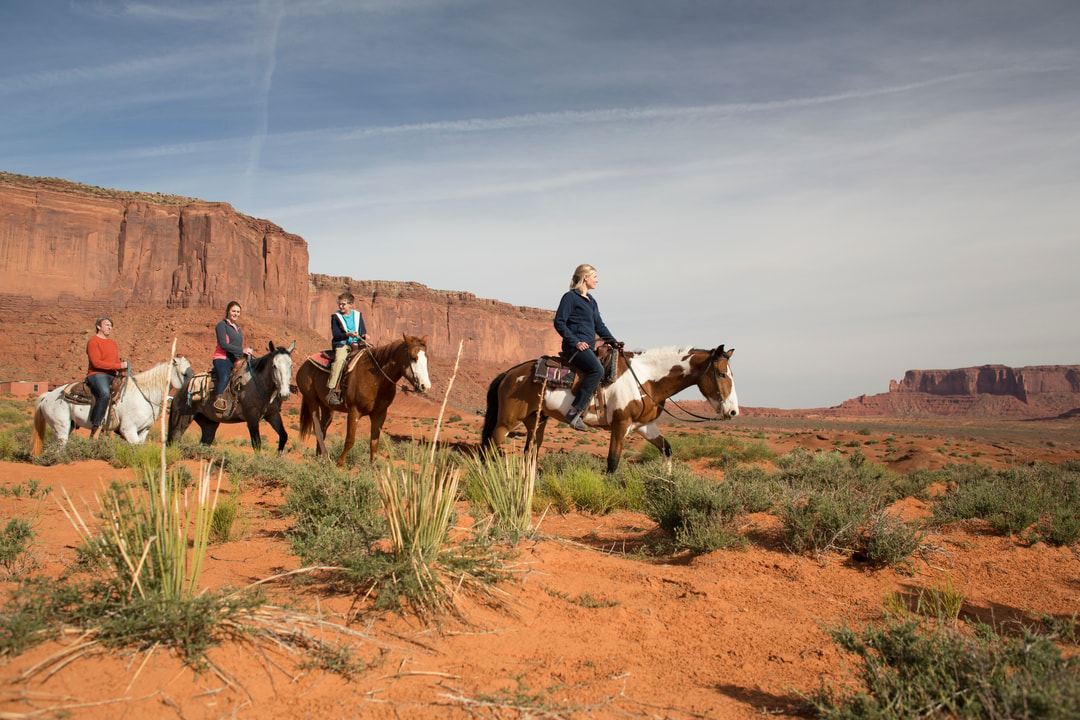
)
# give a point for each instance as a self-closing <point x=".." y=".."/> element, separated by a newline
<point x="407" y="372"/>
<point x="717" y="375"/>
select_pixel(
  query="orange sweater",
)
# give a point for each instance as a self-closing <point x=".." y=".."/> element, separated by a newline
<point x="104" y="356"/>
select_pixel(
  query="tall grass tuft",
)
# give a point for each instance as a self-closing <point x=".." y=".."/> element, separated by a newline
<point x="504" y="487"/>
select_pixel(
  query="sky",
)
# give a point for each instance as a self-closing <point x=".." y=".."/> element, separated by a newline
<point x="841" y="190"/>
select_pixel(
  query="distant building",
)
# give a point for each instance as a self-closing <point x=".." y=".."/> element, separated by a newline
<point x="22" y="388"/>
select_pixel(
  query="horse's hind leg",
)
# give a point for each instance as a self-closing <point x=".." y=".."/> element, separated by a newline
<point x="535" y="424"/>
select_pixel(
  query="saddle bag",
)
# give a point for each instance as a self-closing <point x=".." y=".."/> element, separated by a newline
<point x="552" y="370"/>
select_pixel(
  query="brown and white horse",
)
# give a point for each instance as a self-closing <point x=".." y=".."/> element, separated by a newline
<point x="369" y="388"/>
<point x="632" y="403"/>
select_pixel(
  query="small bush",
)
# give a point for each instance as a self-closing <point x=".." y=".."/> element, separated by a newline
<point x="824" y="520"/>
<point x="913" y="671"/>
<point x="15" y="541"/>
<point x="698" y="513"/>
<point x="887" y="540"/>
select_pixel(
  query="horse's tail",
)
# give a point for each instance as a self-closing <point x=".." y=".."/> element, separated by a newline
<point x="37" y="440"/>
<point x="491" y="417"/>
<point x="307" y="418"/>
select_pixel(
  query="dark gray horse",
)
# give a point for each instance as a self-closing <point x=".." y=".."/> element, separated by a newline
<point x="265" y="383"/>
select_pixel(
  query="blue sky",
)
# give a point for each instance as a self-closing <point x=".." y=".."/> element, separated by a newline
<point x="842" y="190"/>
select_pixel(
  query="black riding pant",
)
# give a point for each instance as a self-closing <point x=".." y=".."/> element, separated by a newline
<point x="591" y="374"/>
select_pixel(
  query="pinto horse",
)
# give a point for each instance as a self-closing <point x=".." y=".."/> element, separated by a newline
<point x="265" y="383"/>
<point x="369" y="388"/>
<point x="632" y="402"/>
<point x="131" y="416"/>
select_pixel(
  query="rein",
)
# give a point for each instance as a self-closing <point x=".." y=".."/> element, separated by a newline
<point x="375" y="361"/>
<point x="700" y="418"/>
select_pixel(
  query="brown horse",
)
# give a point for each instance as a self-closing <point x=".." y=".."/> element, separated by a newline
<point x="369" y="388"/>
<point x="632" y="402"/>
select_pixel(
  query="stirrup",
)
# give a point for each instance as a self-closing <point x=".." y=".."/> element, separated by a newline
<point x="333" y="397"/>
<point x="221" y="404"/>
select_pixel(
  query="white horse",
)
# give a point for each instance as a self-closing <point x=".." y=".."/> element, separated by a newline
<point x="135" y="411"/>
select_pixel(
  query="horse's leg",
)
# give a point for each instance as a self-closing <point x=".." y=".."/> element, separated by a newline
<point x="377" y="419"/>
<point x="650" y="432"/>
<point x="619" y="428"/>
<point x="256" y="437"/>
<point x="326" y="416"/>
<point x="275" y="422"/>
<point x="352" y="420"/>
<point x="209" y="429"/>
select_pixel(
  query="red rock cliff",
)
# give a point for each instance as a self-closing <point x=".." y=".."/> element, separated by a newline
<point x="75" y="246"/>
<point x="62" y="241"/>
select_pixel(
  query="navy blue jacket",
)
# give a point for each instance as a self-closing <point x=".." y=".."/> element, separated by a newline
<point x="578" y="320"/>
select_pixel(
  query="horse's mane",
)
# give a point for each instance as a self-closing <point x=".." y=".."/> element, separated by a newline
<point x="153" y="378"/>
<point x="385" y="353"/>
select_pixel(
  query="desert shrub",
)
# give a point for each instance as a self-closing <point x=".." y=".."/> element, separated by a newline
<point x="336" y="516"/>
<point x="913" y="670"/>
<point x="698" y="513"/>
<point x="262" y="469"/>
<point x="801" y="470"/>
<point x="722" y="450"/>
<point x="1014" y="499"/>
<point x="758" y="489"/>
<point x="824" y="520"/>
<point x="15" y="542"/>
<point x="885" y="539"/>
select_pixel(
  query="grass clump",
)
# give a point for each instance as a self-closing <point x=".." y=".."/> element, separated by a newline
<point x="909" y="669"/>
<point x="502" y="487"/>
<point x="577" y="481"/>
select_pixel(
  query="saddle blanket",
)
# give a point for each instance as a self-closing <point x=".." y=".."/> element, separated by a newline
<point x="558" y="374"/>
<point x="552" y="371"/>
<point x="325" y="358"/>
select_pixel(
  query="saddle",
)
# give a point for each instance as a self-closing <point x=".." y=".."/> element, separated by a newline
<point x="79" y="393"/>
<point x="324" y="359"/>
<point x="557" y="372"/>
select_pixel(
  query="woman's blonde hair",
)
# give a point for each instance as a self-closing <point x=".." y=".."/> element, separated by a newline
<point x="578" y="281"/>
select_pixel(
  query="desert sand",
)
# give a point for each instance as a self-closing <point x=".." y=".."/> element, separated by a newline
<point x="590" y="628"/>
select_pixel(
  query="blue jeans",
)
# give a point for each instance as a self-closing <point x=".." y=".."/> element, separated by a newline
<point x="591" y="374"/>
<point x="222" y="368"/>
<point x="99" y="388"/>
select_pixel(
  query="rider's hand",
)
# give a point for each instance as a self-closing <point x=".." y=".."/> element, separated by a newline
<point x="249" y="352"/>
<point x="582" y="345"/>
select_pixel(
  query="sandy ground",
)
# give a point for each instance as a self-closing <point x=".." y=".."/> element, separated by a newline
<point x="590" y="628"/>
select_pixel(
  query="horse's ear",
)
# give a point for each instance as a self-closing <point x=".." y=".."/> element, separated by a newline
<point x="719" y="349"/>
<point x="292" y="347"/>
